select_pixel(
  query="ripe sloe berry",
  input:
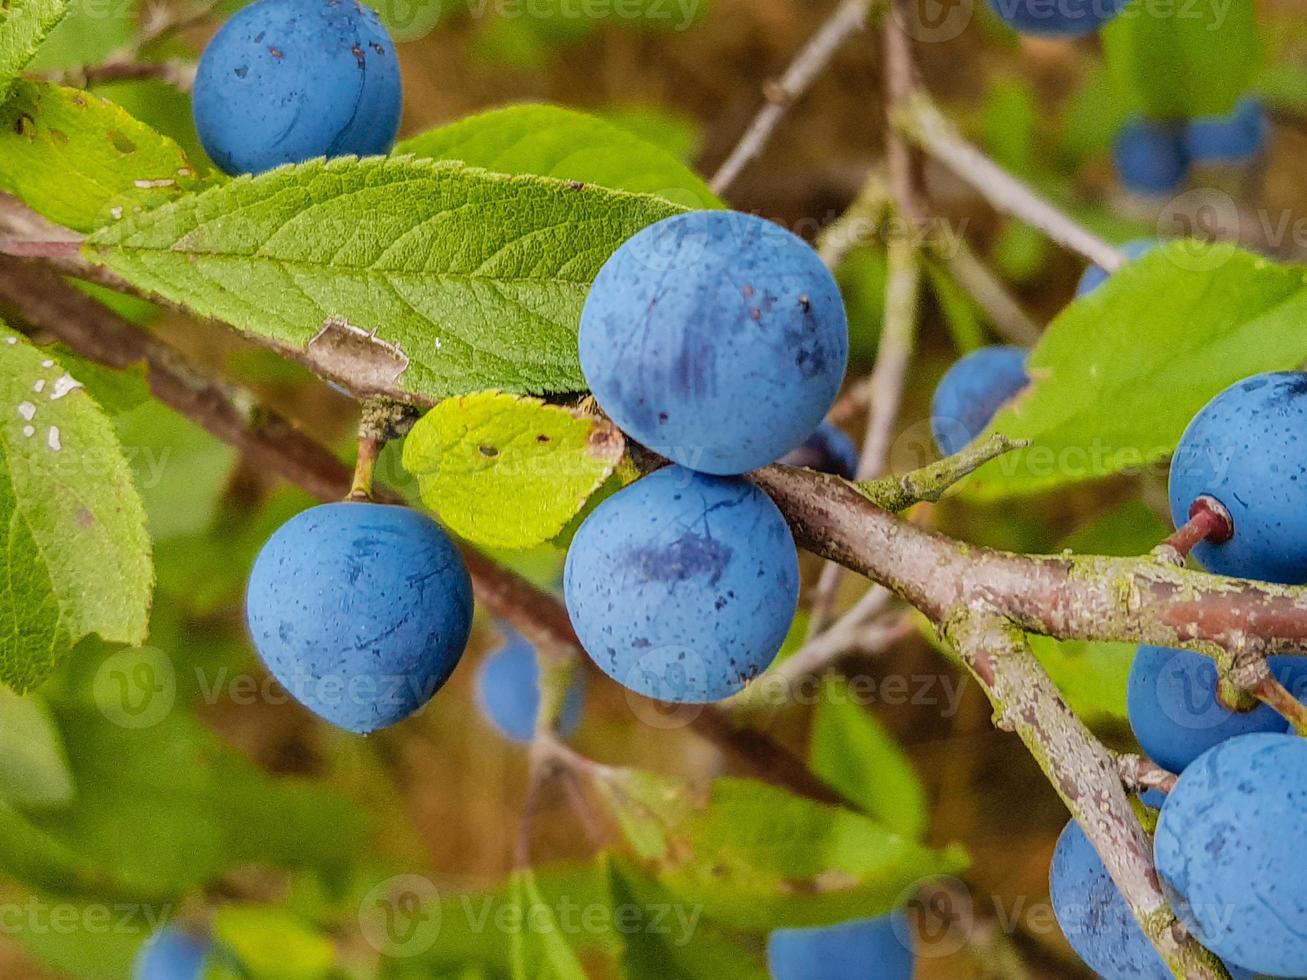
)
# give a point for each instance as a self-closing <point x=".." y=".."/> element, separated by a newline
<point x="508" y="687"/>
<point x="716" y="338"/>
<point x="683" y="586"/>
<point x="1175" y="712"/>
<point x="1094" y="917"/>
<point x="880" y="947"/>
<point x="1231" y="850"/>
<point x="1247" y="449"/>
<point x="971" y="393"/>
<point x="288" y="80"/>
<point x="361" y="611"/>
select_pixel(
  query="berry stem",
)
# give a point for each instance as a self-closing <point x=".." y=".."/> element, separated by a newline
<point x="1208" y="521"/>
<point x="369" y="449"/>
<point x="1270" y="691"/>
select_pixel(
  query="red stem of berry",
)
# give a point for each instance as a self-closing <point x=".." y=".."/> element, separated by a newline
<point x="1208" y="521"/>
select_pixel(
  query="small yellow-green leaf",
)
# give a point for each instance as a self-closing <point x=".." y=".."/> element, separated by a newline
<point x="270" y="942"/>
<point x="82" y="161"/>
<point x="509" y="471"/>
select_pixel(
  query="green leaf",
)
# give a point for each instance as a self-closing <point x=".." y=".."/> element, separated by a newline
<point x="103" y="947"/>
<point x="540" y="948"/>
<point x="435" y="278"/>
<point x="180" y="470"/>
<point x="77" y="558"/>
<point x="83" y="162"/>
<point x="24" y="24"/>
<point x="1183" y="59"/>
<point x="272" y="944"/>
<point x="163" y="809"/>
<point x="506" y="471"/>
<point x="35" y="774"/>
<point x="855" y="755"/>
<point x="1121" y="372"/>
<point x="758" y="858"/>
<point x="551" y="141"/>
<point x="960" y="313"/>
<point x="671" y="941"/>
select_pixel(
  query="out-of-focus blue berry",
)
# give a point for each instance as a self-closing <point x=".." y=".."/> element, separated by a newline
<point x="971" y="393"/>
<point x="508" y="687"/>
<point x="1066" y="18"/>
<point x="1151" y="157"/>
<point x="1237" y="138"/>
<point x="880" y="947"/>
<point x="827" y="450"/>
<point x="172" y="954"/>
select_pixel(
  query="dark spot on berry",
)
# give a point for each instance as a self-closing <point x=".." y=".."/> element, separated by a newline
<point x="242" y="71"/>
<point x="275" y="52"/>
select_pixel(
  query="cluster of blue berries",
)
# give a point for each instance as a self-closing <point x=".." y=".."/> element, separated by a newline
<point x="1231" y="845"/>
<point x="719" y="341"/>
<point x="285" y="81"/>
<point x="1153" y="157"/>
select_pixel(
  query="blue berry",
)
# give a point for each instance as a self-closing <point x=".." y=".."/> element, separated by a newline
<point x="1231" y="850"/>
<point x="1065" y="18"/>
<point x="1094" y="917"/>
<point x="971" y="393"/>
<point x="1175" y="712"/>
<point x="361" y="611"/>
<point x="1096" y="275"/>
<point x="172" y="954"/>
<point x="508" y="687"/>
<point x="682" y="586"/>
<point x="880" y="947"/>
<point x="1150" y="156"/>
<point x="1247" y="449"/>
<point x="716" y="338"/>
<point x="827" y="450"/>
<point x="1234" y="139"/>
<point x="288" y="80"/>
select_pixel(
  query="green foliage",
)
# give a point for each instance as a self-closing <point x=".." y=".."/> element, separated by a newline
<point x="82" y="161"/>
<point x="1119" y="373"/>
<point x="436" y="278"/>
<point x="960" y="312"/>
<point x="507" y="471"/>
<point x="163" y="808"/>
<point x="540" y="948"/>
<point x="758" y="858"/>
<point x="852" y="752"/>
<point x="35" y="774"/>
<point x="551" y="141"/>
<point x="24" y="24"/>
<point x="78" y="557"/>
<point x="92" y="31"/>
<point x="272" y="944"/>
<point x="1179" y="60"/>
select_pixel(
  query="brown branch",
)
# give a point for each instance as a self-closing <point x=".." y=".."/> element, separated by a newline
<point x="1083" y="772"/>
<point x="1139" y="773"/>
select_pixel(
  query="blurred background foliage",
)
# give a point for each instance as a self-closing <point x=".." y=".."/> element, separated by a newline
<point x="284" y="825"/>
